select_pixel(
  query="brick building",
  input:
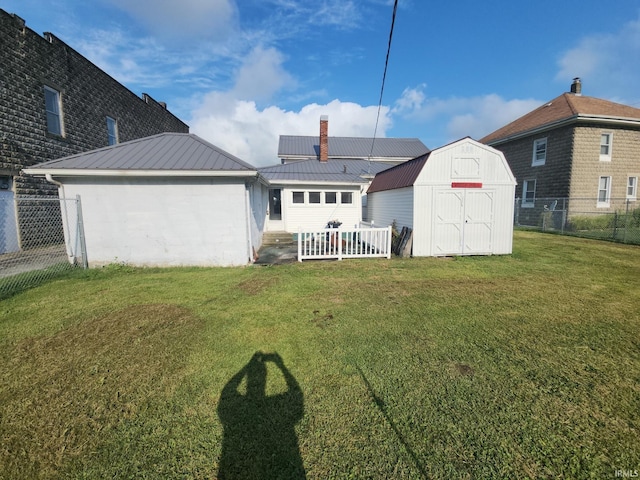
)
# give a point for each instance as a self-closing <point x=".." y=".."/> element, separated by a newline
<point x="582" y="148"/>
<point x="55" y="103"/>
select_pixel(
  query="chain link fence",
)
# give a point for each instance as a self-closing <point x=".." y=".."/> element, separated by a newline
<point x="614" y="219"/>
<point x="39" y="238"/>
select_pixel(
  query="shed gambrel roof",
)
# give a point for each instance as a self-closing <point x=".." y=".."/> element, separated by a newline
<point x="333" y="171"/>
<point x="351" y="147"/>
<point x="400" y="176"/>
<point x="165" y="152"/>
<point x="565" y="108"/>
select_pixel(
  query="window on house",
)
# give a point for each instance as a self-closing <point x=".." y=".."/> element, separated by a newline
<point x="112" y="131"/>
<point x="330" y="197"/>
<point x="54" y="110"/>
<point x="605" y="146"/>
<point x="528" y="193"/>
<point x="604" y="191"/>
<point x="632" y="188"/>
<point x="346" y="197"/>
<point x="539" y="152"/>
<point x="298" y="197"/>
<point x="314" y="197"/>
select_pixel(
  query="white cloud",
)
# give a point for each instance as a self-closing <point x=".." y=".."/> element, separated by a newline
<point x="251" y="134"/>
<point x="607" y="63"/>
<point x="261" y="75"/>
<point x="461" y="116"/>
<point x="183" y="20"/>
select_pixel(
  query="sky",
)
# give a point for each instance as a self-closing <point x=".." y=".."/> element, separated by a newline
<point x="241" y="73"/>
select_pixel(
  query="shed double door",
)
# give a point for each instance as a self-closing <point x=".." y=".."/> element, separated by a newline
<point x="463" y="222"/>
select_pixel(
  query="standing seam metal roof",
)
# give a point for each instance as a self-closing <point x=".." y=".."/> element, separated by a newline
<point x="400" y="176"/>
<point x="350" y="147"/>
<point x="165" y="151"/>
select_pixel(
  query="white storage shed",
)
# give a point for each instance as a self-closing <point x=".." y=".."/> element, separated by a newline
<point x="458" y="200"/>
<point x="168" y="200"/>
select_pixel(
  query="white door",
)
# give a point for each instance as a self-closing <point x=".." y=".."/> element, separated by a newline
<point x="8" y="224"/>
<point x="463" y="222"/>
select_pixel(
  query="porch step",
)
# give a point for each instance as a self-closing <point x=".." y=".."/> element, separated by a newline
<point x="277" y="238"/>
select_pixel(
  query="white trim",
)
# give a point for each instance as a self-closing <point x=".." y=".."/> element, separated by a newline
<point x="276" y="181"/>
<point x="525" y="203"/>
<point x="606" y="157"/>
<point x="65" y="172"/>
<point x="607" y="202"/>
<point x="634" y="195"/>
<point x="535" y="162"/>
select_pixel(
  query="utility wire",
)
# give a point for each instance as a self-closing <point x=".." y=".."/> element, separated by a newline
<point x="384" y="76"/>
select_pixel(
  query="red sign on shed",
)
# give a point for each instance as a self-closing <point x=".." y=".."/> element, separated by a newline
<point x="466" y="184"/>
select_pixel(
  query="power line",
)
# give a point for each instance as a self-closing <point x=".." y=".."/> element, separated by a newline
<point x="384" y="77"/>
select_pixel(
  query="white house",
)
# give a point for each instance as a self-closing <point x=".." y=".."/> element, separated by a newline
<point x="324" y="178"/>
<point x="167" y="200"/>
<point x="457" y="199"/>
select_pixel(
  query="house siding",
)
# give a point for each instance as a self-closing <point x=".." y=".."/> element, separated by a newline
<point x="391" y="206"/>
<point x="588" y="168"/>
<point x="163" y="221"/>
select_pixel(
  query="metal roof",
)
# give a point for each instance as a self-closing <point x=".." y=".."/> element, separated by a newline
<point x="162" y="152"/>
<point x="351" y="147"/>
<point x="333" y="171"/>
<point x="400" y="176"/>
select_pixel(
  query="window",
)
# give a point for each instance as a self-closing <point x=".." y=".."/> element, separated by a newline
<point x="604" y="191"/>
<point x="539" y="152"/>
<point x="346" y="197"/>
<point x="330" y="197"/>
<point x="112" y="131"/>
<point x="632" y="188"/>
<point x="605" y="147"/>
<point x="314" y="197"/>
<point x="298" y="197"/>
<point x="54" y="111"/>
<point x="528" y="193"/>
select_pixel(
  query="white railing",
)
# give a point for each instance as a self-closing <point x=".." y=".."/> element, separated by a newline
<point x="344" y="243"/>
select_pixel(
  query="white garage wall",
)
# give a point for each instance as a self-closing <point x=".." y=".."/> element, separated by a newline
<point x="163" y="222"/>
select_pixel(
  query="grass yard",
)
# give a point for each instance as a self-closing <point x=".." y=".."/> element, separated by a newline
<point x="521" y="366"/>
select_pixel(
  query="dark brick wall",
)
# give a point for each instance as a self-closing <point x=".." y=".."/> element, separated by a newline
<point x="28" y="62"/>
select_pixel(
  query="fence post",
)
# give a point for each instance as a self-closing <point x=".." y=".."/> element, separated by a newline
<point x="389" y="242"/>
<point x="300" y="244"/>
<point x="83" y="245"/>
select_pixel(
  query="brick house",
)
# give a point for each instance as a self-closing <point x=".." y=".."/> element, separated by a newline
<point x="55" y="103"/>
<point x="573" y="147"/>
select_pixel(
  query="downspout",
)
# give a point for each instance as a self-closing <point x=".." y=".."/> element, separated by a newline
<point x="67" y="241"/>
<point x="247" y="201"/>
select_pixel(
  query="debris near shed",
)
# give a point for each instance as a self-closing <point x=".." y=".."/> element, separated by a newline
<point x="402" y="242"/>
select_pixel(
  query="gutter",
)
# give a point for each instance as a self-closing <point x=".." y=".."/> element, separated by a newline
<point x="70" y="172"/>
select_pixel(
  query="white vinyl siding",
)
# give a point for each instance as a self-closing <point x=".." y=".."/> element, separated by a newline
<point x="539" y="152"/>
<point x="309" y="207"/>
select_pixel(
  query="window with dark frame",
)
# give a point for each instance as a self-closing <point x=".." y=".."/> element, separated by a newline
<point x="298" y="197"/>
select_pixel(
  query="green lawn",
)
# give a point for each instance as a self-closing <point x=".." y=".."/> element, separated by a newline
<point x="521" y="366"/>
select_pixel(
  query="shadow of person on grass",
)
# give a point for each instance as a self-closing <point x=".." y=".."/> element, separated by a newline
<point x="259" y="440"/>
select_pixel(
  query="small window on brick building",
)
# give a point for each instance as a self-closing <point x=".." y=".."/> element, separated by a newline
<point x="53" y="106"/>
<point x="112" y="131"/>
<point x="528" y="193"/>
<point x="632" y="188"/>
<point x="539" y="152"/>
<point x="604" y="192"/>
<point x="605" y="147"/>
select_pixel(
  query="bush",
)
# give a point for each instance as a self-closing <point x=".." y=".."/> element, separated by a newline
<point x="591" y="222"/>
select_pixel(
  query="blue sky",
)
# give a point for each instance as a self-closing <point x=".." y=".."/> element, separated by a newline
<point x="243" y="72"/>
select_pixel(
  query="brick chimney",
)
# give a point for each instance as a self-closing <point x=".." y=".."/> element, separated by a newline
<point x="324" y="138"/>
<point x="576" y="86"/>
